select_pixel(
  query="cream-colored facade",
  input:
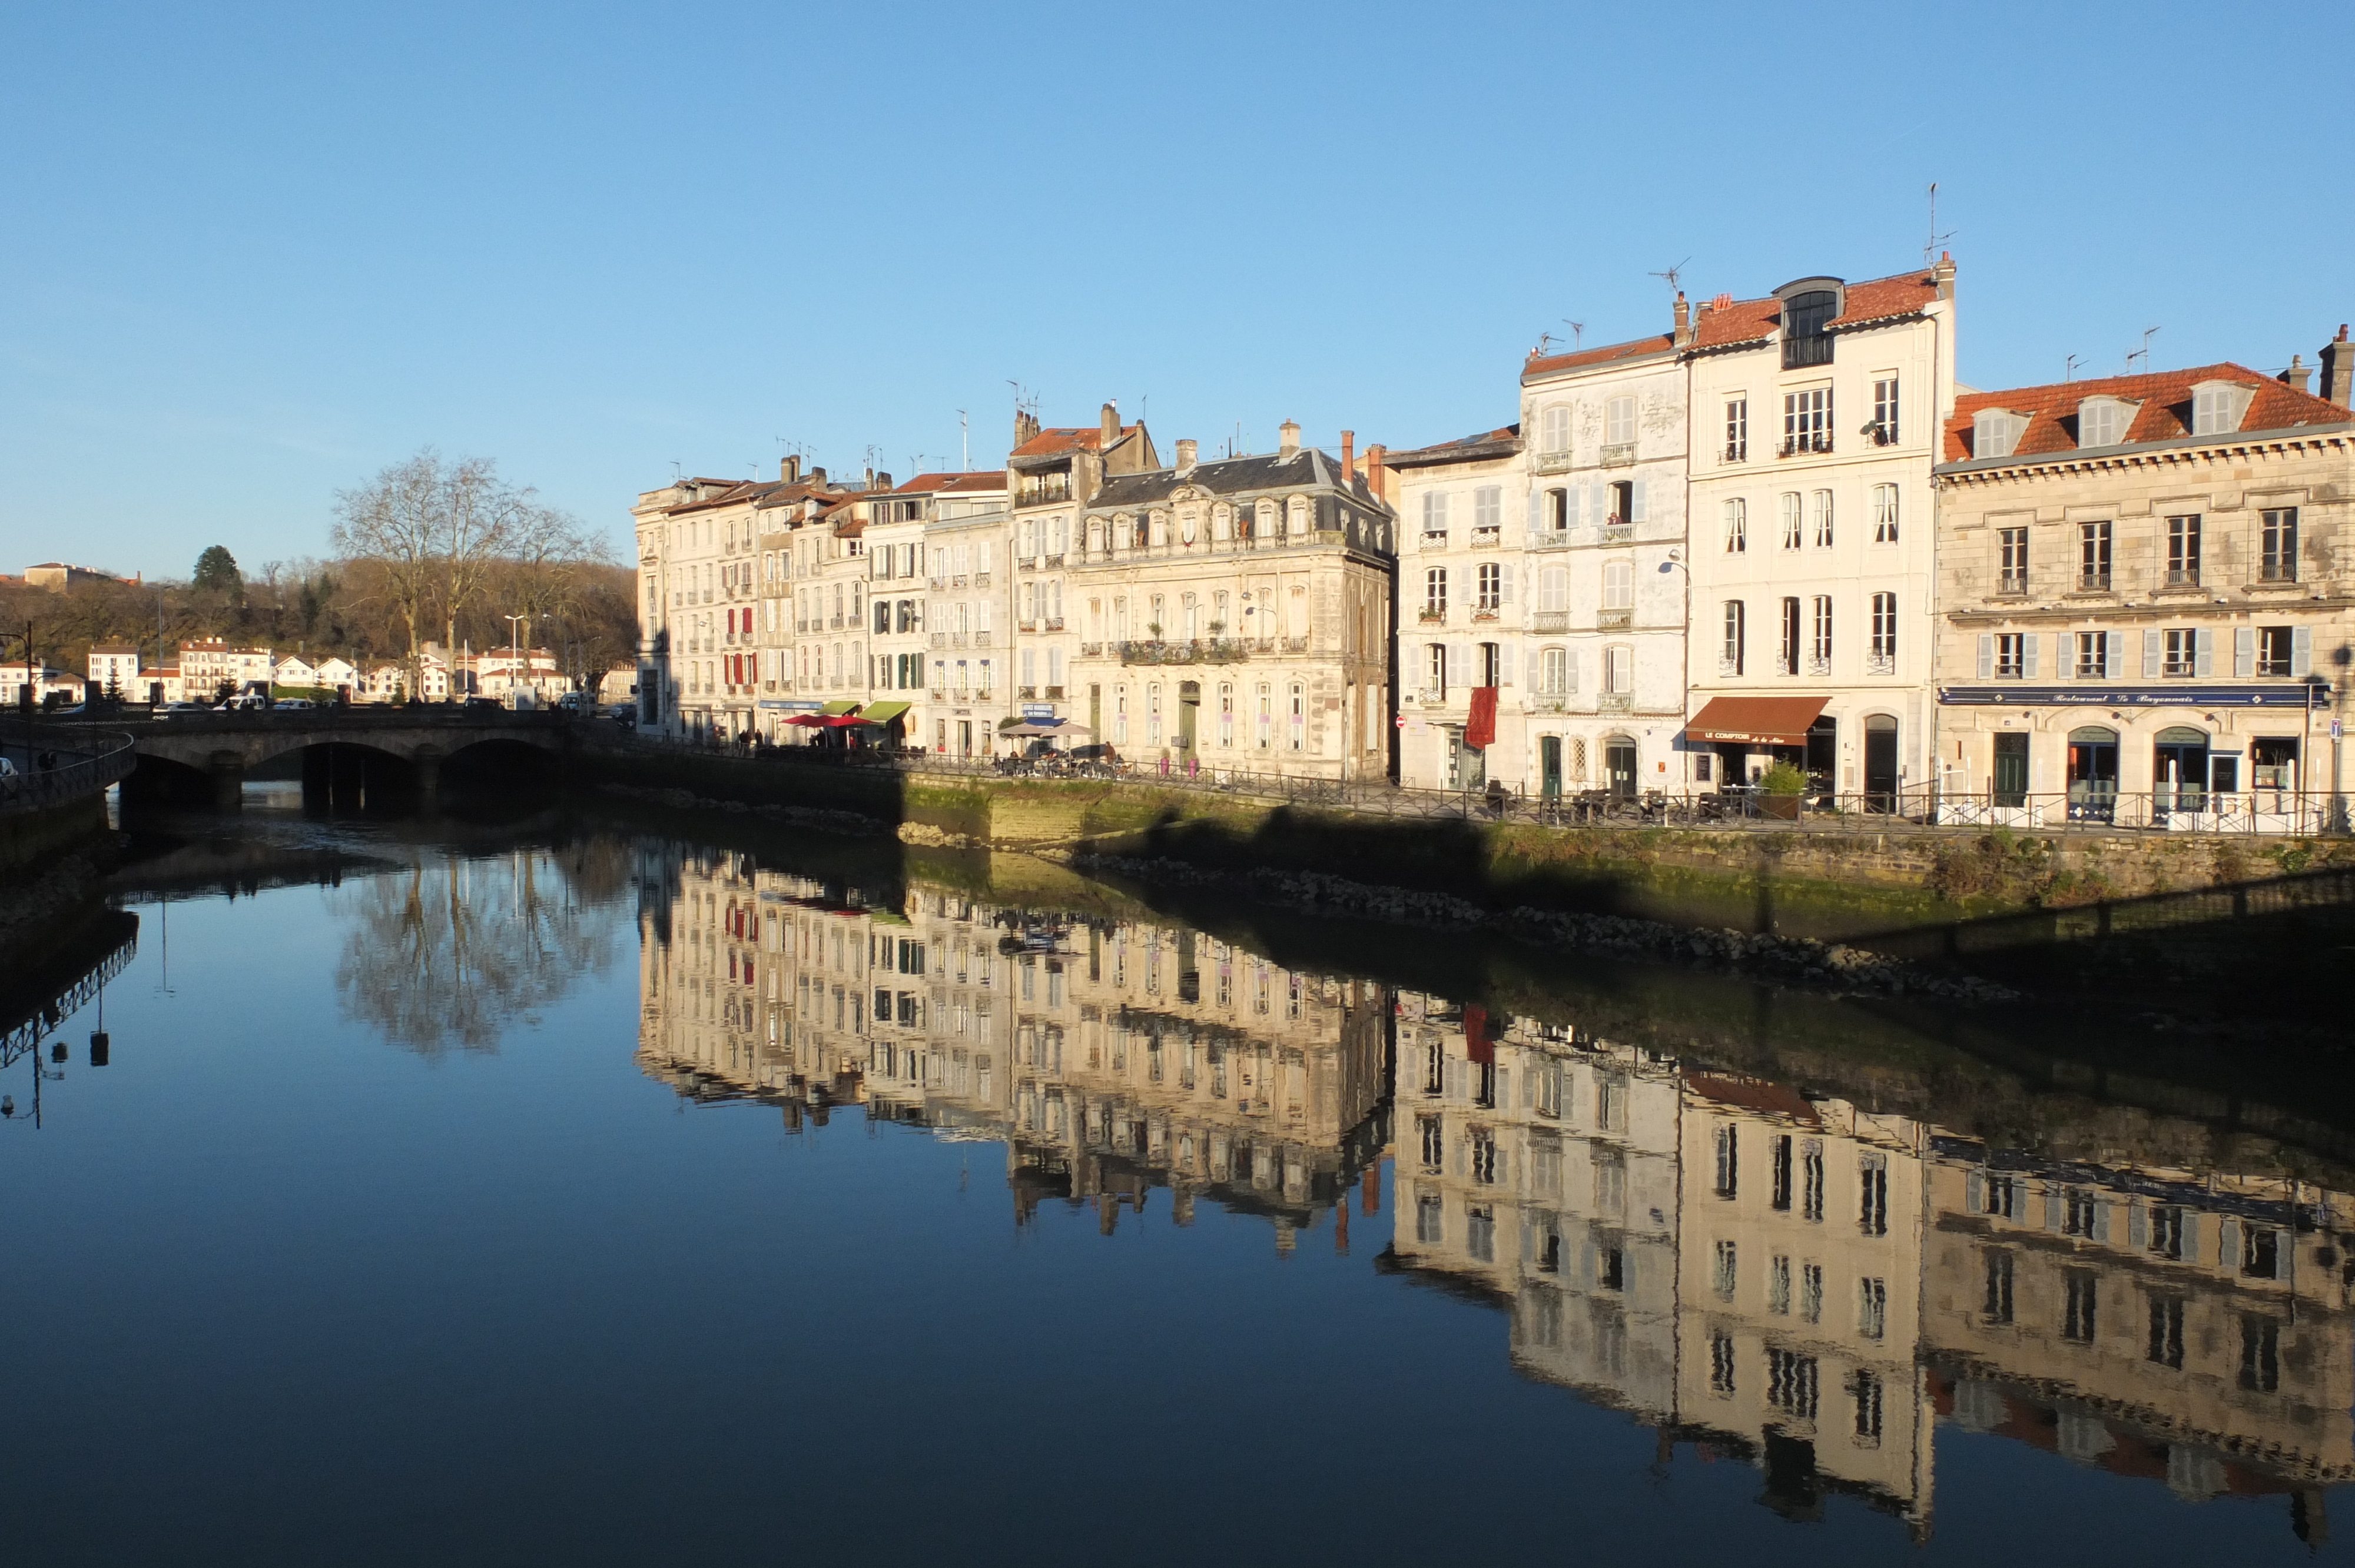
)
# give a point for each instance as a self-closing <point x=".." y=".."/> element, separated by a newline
<point x="1817" y="416"/>
<point x="2148" y="600"/>
<point x="1233" y="615"/>
<point x="968" y="542"/>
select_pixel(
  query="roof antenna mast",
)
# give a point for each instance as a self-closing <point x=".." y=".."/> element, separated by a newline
<point x="1930" y="250"/>
<point x="2143" y="352"/>
<point x="965" y="443"/>
<point x="1674" y="275"/>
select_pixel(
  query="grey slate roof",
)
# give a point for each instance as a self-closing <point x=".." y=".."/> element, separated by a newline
<point x="1308" y="468"/>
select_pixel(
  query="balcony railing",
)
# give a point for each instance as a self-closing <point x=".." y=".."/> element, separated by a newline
<point x="1199" y="650"/>
<point x="1091" y="649"/>
<point x="1549" y="539"/>
<point x="2093" y="582"/>
<point x="1736" y="451"/>
<point x="1487" y="539"/>
<point x="1619" y="454"/>
<point x="1546" y="622"/>
<point x="2183" y="576"/>
<point x="1484" y="612"/>
<point x="1615" y="703"/>
<point x="1552" y="462"/>
<point x="1429" y="616"/>
<point x="1054" y="694"/>
<point x="1054" y="623"/>
<point x="1432" y="698"/>
<point x="1819" y="664"/>
<point x="1618" y="533"/>
<point x="1881" y="664"/>
<point x="2012" y="583"/>
<point x="1613" y="619"/>
<point x="940" y="640"/>
<point x="1800" y="446"/>
<point x="981" y="639"/>
<point x="1435" y="538"/>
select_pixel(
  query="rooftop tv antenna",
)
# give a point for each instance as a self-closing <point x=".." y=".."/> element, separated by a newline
<point x="1937" y="240"/>
<point x="1676" y="274"/>
<point x="964" y="442"/>
<point x="2069" y="371"/>
<point x="2143" y="352"/>
<point x="676" y="471"/>
<point x="1577" y="329"/>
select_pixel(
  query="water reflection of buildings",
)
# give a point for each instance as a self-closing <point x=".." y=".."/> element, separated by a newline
<point x="1112" y="1056"/>
<point x="1796" y="1281"/>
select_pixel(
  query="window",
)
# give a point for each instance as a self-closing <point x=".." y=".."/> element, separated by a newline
<point x="1558" y="513"/>
<point x="1737" y="527"/>
<point x="1808" y="421"/>
<point x="1885" y="515"/>
<point x="1805" y="318"/>
<point x="1618" y="585"/>
<point x="2260" y="1354"/>
<point x="1873" y="1184"/>
<point x="1811" y="1292"/>
<point x="1997" y="1308"/>
<point x="1554" y="677"/>
<point x="1790" y="505"/>
<point x="2081" y="1306"/>
<point x="1481" y="1149"/>
<point x="2183" y="552"/>
<point x="1488" y="510"/>
<point x="1726" y="1275"/>
<point x="1789" y="661"/>
<point x="1872" y="1308"/>
<point x="1996" y="433"/>
<point x="1619" y="422"/>
<point x="1729" y="657"/>
<point x="1811" y="1178"/>
<point x="1791" y="1383"/>
<point x="1720" y="1363"/>
<point x="1299" y="719"/>
<point x="1884" y="411"/>
<point x="1729" y="1167"/>
<point x="1434" y="1149"/>
<point x="1553" y="428"/>
<point x="1819" y="513"/>
<point x="2215" y="411"/>
<point x="2011" y="656"/>
<point x="2011" y="560"/>
<point x="2277" y="545"/>
<point x="1430" y="1228"/>
<point x="2260" y="1251"/>
<point x="1737" y="429"/>
<point x="2093" y="662"/>
<point x="2093" y="557"/>
<point x="1819" y="640"/>
<point x="1778" y="1286"/>
<point x="1434" y="594"/>
<point x="2101" y="422"/>
<point x="2276" y="650"/>
<point x="2165" y="1346"/>
<point x="1435" y="514"/>
<point x="1867" y="1388"/>
<point x="1619" y="671"/>
<point x="2182" y="652"/>
<point x="1882" y="654"/>
<point x="1489" y="592"/>
<point x="1436" y="671"/>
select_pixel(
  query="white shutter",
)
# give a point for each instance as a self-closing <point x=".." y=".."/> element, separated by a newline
<point x="1504" y="582"/>
<point x="1600" y="502"/>
<point x="1636" y="501"/>
<point x="2029" y="665"/>
<point x="1536" y="518"/>
<point x="2113" y="653"/>
<point x="2244" y="652"/>
<point x="2203" y="652"/>
<point x="2151" y="655"/>
<point x="1504" y="663"/>
<point x="1570" y="506"/>
<point x="1986" y="655"/>
<point x="2301" y="652"/>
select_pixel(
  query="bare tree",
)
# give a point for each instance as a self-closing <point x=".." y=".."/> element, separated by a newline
<point x="396" y="522"/>
<point x="483" y="518"/>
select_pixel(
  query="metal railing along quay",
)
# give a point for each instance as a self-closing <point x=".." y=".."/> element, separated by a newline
<point x="48" y="766"/>
<point x="2247" y="813"/>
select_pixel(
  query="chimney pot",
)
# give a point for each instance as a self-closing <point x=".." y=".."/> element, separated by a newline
<point x="2298" y="375"/>
<point x="1289" y="439"/>
<point x="1683" y="334"/>
<point x="2338" y="358"/>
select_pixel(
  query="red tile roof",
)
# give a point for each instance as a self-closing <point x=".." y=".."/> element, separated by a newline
<point x="2165" y="414"/>
<point x="1547" y="364"/>
<point x="1438" y="451"/>
<point x="1045" y="443"/>
<point x="1875" y="299"/>
<point x="926" y="483"/>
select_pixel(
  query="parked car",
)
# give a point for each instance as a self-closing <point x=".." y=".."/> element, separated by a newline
<point x="171" y="710"/>
<point x="245" y="701"/>
<point x="483" y="704"/>
<point x="292" y="704"/>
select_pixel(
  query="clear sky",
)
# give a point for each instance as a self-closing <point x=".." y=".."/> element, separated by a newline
<point x="254" y="253"/>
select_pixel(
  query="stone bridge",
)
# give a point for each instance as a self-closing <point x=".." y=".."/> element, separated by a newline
<point x="355" y="748"/>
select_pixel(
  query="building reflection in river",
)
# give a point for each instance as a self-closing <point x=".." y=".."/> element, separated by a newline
<point x="1788" y="1278"/>
<point x="1112" y="1056"/>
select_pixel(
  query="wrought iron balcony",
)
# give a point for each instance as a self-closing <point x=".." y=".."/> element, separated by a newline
<point x="1619" y="454"/>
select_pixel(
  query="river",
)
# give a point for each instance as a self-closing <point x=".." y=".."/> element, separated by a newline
<point x="581" y="1187"/>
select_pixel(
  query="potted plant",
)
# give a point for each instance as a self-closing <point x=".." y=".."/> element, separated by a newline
<point x="1780" y="789"/>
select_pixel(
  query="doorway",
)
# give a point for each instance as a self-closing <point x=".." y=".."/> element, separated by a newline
<point x="1467" y="766"/>
<point x="2092" y="774"/>
<point x="964" y="738"/>
<point x="1189" y="708"/>
<point x="2010" y="777"/>
<point x="1880" y="763"/>
<point x="1619" y="767"/>
<point x="1549" y="767"/>
<point x="2179" y="774"/>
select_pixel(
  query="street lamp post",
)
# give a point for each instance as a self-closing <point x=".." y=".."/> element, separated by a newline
<point x="515" y="624"/>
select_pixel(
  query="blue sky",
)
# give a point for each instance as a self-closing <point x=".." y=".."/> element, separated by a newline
<point x="252" y="254"/>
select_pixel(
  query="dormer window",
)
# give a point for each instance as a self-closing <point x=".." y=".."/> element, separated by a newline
<point x="1996" y="432"/>
<point x="2217" y="406"/>
<point x="1806" y="320"/>
<point x="2103" y="421"/>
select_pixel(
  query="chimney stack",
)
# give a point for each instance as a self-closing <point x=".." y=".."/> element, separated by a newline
<point x="2338" y="358"/>
<point x="1288" y="438"/>
<point x="1349" y="455"/>
<point x="1683" y="336"/>
<point x="1110" y="427"/>
<point x="2296" y="376"/>
<point x="1377" y="480"/>
<point x="817" y="477"/>
<point x="1185" y="450"/>
<point x="1943" y="274"/>
<point x="790" y="470"/>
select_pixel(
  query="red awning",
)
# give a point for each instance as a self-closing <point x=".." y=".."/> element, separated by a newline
<point x="1756" y="721"/>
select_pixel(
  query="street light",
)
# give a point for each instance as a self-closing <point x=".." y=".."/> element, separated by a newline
<point x="515" y="649"/>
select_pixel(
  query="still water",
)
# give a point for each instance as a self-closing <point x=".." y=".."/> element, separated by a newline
<point x="594" y="1190"/>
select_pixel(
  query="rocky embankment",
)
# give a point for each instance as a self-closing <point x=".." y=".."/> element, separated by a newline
<point x="1802" y="959"/>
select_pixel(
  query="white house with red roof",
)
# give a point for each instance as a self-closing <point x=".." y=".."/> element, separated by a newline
<point x="1817" y="411"/>
<point x="2145" y="585"/>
